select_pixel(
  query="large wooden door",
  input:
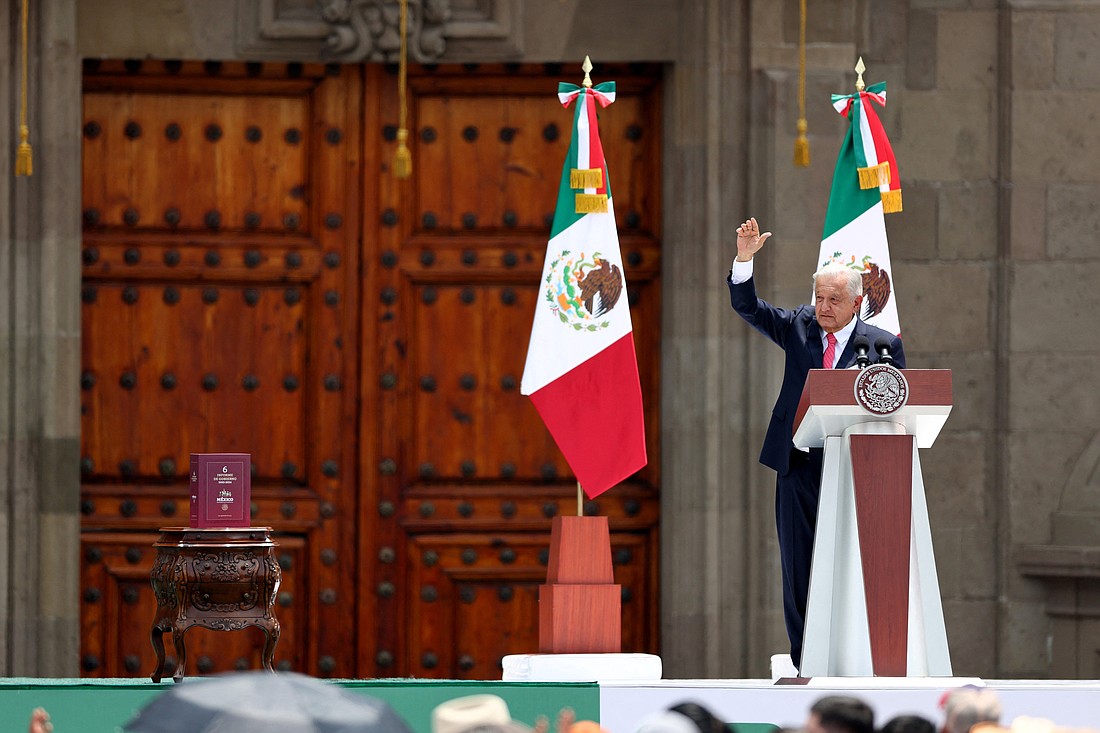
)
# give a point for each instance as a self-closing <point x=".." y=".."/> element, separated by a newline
<point x="459" y="478"/>
<point x="256" y="279"/>
<point x="221" y="264"/>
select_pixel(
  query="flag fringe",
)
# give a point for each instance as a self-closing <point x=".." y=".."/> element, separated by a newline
<point x="875" y="175"/>
<point x="586" y="178"/>
<point x="590" y="203"/>
<point x="891" y="201"/>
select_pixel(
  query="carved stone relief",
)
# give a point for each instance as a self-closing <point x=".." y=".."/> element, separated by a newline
<point x="1070" y="568"/>
<point x="351" y="31"/>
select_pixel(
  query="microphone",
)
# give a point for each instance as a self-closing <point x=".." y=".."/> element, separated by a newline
<point x="862" y="346"/>
<point x="882" y="347"/>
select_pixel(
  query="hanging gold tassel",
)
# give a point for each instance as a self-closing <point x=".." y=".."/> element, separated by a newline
<point x="891" y="201"/>
<point x="590" y="203"/>
<point x="586" y="177"/>
<point x="402" y="159"/>
<point x="802" y="143"/>
<point x="24" y="161"/>
<point x="802" y="147"/>
<point x="874" y="176"/>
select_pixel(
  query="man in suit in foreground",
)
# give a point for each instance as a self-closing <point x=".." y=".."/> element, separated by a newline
<point x="813" y="337"/>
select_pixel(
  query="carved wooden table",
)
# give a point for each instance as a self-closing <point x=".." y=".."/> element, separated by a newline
<point x="221" y="579"/>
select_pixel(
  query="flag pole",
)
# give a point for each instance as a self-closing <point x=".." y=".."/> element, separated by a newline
<point x="586" y="67"/>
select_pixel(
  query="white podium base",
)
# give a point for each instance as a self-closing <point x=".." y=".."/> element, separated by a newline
<point x="581" y="667"/>
<point x="837" y="634"/>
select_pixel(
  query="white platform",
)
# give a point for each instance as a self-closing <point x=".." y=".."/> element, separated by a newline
<point x="624" y="705"/>
<point x="581" y="667"/>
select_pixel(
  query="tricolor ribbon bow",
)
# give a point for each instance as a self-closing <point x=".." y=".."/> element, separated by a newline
<point x="588" y="175"/>
<point x="603" y="93"/>
<point x="877" y="166"/>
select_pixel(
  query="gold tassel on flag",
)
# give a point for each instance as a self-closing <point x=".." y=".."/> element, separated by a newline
<point x="891" y="201"/>
<point x="24" y="161"/>
<point x="586" y="178"/>
<point x="802" y="143"/>
<point x="590" y="203"/>
<point x="875" y="175"/>
<point x="402" y="159"/>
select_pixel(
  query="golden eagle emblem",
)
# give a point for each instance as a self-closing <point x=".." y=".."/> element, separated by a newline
<point x="580" y="291"/>
<point x="605" y="282"/>
<point x="876" y="289"/>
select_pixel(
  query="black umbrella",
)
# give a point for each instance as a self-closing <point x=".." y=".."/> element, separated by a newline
<point x="261" y="702"/>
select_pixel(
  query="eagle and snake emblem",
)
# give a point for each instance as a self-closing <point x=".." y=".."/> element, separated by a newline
<point x="876" y="283"/>
<point x="581" y="291"/>
<point x="881" y="389"/>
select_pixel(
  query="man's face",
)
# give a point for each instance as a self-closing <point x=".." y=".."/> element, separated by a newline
<point x="833" y="304"/>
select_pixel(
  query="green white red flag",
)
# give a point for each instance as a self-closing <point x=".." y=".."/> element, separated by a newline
<point x="582" y="372"/>
<point x="866" y="186"/>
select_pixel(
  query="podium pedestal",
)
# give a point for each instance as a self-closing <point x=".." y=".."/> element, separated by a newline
<point x="874" y="606"/>
<point x="580" y="606"/>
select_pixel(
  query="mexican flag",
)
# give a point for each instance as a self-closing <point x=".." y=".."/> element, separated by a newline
<point x="581" y="371"/>
<point x="865" y="188"/>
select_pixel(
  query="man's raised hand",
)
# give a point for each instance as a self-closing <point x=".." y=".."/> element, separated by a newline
<point x="749" y="239"/>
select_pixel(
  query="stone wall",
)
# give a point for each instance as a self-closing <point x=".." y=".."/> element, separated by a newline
<point x="1051" y="508"/>
<point x="992" y="109"/>
<point x="40" y="349"/>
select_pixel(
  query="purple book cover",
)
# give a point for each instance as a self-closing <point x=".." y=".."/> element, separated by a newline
<point x="221" y="490"/>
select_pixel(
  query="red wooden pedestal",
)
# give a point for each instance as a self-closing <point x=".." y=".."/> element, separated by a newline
<point x="580" y="607"/>
<point x="882" y="474"/>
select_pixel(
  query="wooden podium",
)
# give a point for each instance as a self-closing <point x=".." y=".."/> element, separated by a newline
<point x="874" y="604"/>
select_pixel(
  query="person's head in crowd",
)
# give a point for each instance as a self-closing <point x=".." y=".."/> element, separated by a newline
<point x="685" y="717"/>
<point x="476" y="714"/>
<point x="967" y="706"/>
<point x="840" y="714"/>
<point x="908" y="724"/>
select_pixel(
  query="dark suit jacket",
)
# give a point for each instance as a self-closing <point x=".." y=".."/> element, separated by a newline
<point x="797" y="333"/>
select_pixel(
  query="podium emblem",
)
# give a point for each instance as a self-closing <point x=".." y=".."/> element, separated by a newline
<point x="881" y="389"/>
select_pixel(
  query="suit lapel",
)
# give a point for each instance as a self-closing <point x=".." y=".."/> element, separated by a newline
<point x="813" y="338"/>
<point x="848" y="356"/>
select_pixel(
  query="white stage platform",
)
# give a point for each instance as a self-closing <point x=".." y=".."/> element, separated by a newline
<point x="625" y="704"/>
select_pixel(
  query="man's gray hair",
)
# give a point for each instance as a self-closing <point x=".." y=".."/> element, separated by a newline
<point x="967" y="706"/>
<point x="852" y="278"/>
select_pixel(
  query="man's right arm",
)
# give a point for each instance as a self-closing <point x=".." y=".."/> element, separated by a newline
<point x="771" y="321"/>
<point x="767" y="319"/>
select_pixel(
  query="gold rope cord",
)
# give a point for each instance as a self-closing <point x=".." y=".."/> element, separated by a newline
<point x="802" y="143"/>
<point x="24" y="163"/>
<point x="402" y="159"/>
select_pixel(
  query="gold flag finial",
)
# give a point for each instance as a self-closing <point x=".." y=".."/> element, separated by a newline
<point x="860" y="68"/>
<point x="587" y="67"/>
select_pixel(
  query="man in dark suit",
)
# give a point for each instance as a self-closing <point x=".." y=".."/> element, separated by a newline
<point x="813" y="337"/>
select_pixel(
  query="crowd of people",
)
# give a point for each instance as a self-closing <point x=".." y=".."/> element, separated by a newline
<point x="967" y="709"/>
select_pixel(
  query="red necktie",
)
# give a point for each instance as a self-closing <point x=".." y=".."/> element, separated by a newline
<point x="830" y="352"/>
